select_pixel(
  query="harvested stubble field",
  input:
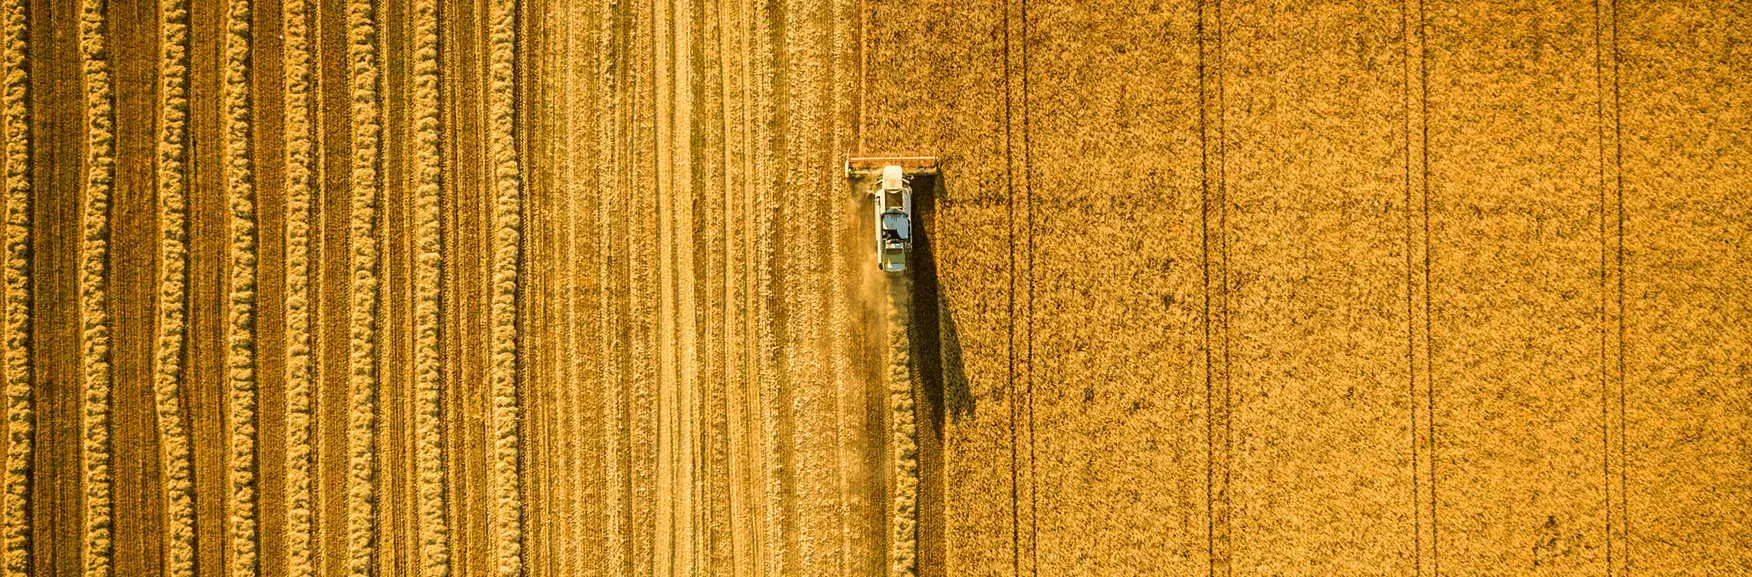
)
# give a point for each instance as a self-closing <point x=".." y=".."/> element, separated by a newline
<point x="569" y="287"/>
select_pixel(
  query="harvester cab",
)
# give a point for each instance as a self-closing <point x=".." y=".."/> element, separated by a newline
<point x="888" y="182"/>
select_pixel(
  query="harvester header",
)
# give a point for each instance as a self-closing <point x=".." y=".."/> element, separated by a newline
<point x="869" y="166"/>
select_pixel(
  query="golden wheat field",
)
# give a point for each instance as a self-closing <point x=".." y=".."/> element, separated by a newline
<point x="528" y="288"/>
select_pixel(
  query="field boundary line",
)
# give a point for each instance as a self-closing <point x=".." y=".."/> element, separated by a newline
<point x="20" y="421"/>
<point x="93" y="279"/>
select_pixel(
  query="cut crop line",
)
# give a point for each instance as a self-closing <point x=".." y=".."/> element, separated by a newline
<point x="506" y="509"/>
<point x="434" y="528"/>
<point x="367" y="136"/>
<point x="175" y="445"/>
<point x="300" y="364"/>
<point x="240" y="307"/>
<point x="94" y="321"/>
<point x="20" y="397"/>
<point x="837" y="314"/>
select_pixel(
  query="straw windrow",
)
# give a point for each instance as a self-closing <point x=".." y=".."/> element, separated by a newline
<point x="300" y="362"/>
<point x="173" y="262"/>
<point x="434" y="529"/>
<point x="241" y="293"/>
<point x="367" y="137"/>
<point x="94" y="321"/>
<point x="15" y="526"/>
<point x="506" y="513"/>
<point x="903" y="445"/>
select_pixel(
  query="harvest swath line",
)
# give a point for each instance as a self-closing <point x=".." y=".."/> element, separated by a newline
<point x="840" y="267"/>
<point x="300" y="362"/>
<point x="241" y="294"/>
<point x="168" y="377"/>
<point x="568" y="61"/>
<point x="641" y="236"/>
<point x="367" y="138"/>
<point x="94" y="321"/>
<point x="20" y="398"/>
<point x="754" y="353"/>
<point x="616" y="412"/>
<point x="775" y="532"/>
<point x="669" y="429"/>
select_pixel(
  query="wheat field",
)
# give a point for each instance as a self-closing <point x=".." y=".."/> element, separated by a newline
<point x="579" y="287"/>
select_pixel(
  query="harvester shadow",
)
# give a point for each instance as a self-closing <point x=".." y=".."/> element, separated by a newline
<point x="936" y="350"/>
<point x="936" y="341"/>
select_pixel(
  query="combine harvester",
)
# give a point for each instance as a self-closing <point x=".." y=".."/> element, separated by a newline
<point x="887" y="181"/>
<point x="892" y="191"/>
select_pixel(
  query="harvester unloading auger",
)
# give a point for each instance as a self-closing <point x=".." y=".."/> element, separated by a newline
<point x="887" y="179"/>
